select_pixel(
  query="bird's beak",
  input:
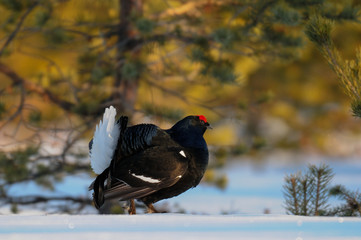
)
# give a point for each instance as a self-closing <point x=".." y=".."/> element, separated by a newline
<point x="208" y="126"/>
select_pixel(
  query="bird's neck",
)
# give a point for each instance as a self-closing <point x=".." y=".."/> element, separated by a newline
<point x="188" y="138"/>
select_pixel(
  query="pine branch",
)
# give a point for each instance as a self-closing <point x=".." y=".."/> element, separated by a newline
<point x="307" y="194"/>
<point x="318" y="31"/>
<point x="29" y="86"/>
<point x="291" y="194"/>
<point x="352" y="207"/>
<point x="259" y="12"/>
<point x="18" y="27"/>
<point x="306" y="188"/>
<point x="322" y="176"/>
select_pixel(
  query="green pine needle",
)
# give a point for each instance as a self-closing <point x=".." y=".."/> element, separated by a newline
<point x="319" y="30"/>
<point x="356" y="109"/>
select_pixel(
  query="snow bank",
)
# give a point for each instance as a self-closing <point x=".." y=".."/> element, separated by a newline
<point x="176" y="226"/>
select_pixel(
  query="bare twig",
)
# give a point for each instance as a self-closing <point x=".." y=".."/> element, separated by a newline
<point x="26" y="200"/>
<point x="17" y="28"/>
<point x="73" y="88"/>
<point x="29" y="86"/>
<point x="16" y="81"/>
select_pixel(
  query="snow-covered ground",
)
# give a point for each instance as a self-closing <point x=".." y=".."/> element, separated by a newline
<point x="178" y="226"/>
<point x="252" y="188"/>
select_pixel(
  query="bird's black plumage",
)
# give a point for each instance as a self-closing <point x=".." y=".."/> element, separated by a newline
<point x="151" y="164"/>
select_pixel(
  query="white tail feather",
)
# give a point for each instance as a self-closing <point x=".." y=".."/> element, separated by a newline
<point x="104" y="141"/>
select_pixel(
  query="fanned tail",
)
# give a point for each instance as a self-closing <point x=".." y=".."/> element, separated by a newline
<point x="104" y="141"/>
<point x="101" y="155"/>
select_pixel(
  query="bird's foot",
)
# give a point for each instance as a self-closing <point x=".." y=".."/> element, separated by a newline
<point x="151" y="209"/>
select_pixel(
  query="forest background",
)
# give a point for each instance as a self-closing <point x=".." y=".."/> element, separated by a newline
<point x="249" y="66"/>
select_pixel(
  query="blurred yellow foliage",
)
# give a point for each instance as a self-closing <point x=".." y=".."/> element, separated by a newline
<point x="303" y="93"/>
<point x="223" y="135"/>
<point x="284" y="110"/>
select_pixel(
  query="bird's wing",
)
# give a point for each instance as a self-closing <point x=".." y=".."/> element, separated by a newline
<point x="138" y="138"/>
<point x="122" y="192"/>
<point x="133" y="140"/>
<point x="145" y="172"/>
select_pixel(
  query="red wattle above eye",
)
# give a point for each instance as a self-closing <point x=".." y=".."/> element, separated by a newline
<point x="202" y="118"/>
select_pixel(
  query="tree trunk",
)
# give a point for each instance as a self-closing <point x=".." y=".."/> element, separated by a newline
<point x="125" y="92"/>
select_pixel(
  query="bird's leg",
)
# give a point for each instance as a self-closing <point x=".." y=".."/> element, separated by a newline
<point x="151" y="209"/>
<point x="132" y="210"/>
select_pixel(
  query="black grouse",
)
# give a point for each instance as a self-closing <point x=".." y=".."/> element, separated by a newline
<point x="145" y="162"/>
